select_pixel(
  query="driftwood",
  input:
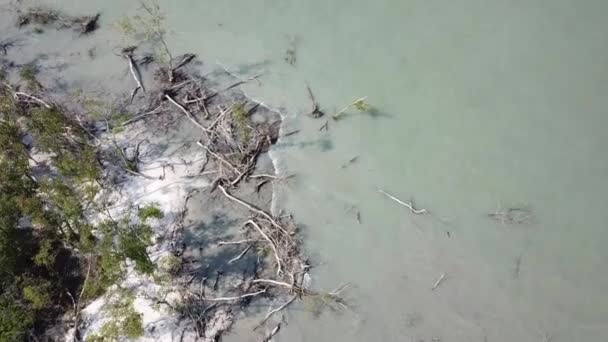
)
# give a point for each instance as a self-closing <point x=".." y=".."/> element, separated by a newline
<point x="18" y="94"/>
<point x="350" y="162"/>
<point x="438" y="282"/>
<point x="228" y="299"/>
<point x="408" y="205"/>
<point x="240" y="256"/>
<point x="155" y="111"/>
<point x="187" y="58"/>
<point x="360" y="104"/>
<point x="272" y="245"/>
<point x="272" y="312"/>
<point x="232" y="142"/>
<point x="136" y="75"/>
<point x="324" y="127"/>
<point x="315" y="111"/>
<point x="272" y="333"/>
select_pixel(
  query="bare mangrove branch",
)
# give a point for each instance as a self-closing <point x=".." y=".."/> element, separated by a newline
<point x="254" y="209"/>
<point x="187" y="112"/>
<point x="31" y="97"/>
<point x="240" y="256"/>
<point x="223" y="243"/>
<point x="227" y="299"/>
<point x="272" y="333"/>
<point x="273" y="282"/>
<point x="136" y="75"/>
<point x="438" y="282"/>
<point x="272" y="245"/>
<point x="408" y="205"/>
<point x="272" y="312"/>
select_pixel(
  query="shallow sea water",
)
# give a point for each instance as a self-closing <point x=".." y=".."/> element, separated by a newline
<point x="478" y="105"/>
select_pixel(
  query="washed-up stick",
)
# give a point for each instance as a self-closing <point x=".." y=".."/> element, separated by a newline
<point x="31" y="97"/>
<point x="350" y="161"/>
<point x="227" y="299"/>
<point x="359" y="102"/>
<point x="187" y="112"/>
<point x="272" y="245"/>
<point x="291" y="133"/>
<point x="315" y="112"/>
<point x="254" y="209"/>
<point x="222" y="243"/>
<point x="185" y="60"/>
<point x="410" y="206"/>
<point x="438" y="281"/>
<point x="325" y="126"/>
<point x="140" y="116"/>
<point x="240" y="256"/>
<point x="273" y="282"/>
<point x="272" y="312"/>
<point x="272" y="333"/>
<point x="218" y="157"/>
<point x="136" y="75"/>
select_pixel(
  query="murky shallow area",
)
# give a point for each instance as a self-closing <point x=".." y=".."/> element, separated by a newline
<point x="478" y="105"/>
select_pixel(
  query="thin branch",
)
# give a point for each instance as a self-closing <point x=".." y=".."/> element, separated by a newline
<point x="140" y="116"/>
<point x="218" y="157"/>
<point x="272" y="245"/>
<point x="272" y="333"/>
<point x="222" y="243"/>
<point x="227" y="299"/>
<point x="136" y="75"/>
<point x="315" y="112"/>
<point x="188" y="114"/>
<point x="269" y="314"/>
<point x="31" y="97"/>
<point x="264" y="176"/>
<point x="240" y="256"/>
<point x="254" y="209"/>
<point x="273" y="282"/>
<point x="438" y="282"/>
<point x="410" y="206"/>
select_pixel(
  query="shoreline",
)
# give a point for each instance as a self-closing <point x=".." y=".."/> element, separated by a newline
<point x="174" y="188"/>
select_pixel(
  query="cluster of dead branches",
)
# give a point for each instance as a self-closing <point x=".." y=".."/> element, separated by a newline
<point x="233" y="141"/>
<point x="46" y="16"/>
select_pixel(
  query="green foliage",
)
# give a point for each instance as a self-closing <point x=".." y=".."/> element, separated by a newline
<point x="134" y="241"/>
<point x="15" y="319"/>
<point x="28" y="75"/>
<point x="49" y="126"/>
<point x="124" y="321"/>
<point x="150" y="210"/>
<point x="46" y="253"/>
<point x="148" y="26"/>
<point x="241" y="119"/>
<point x="170" y="264"/>
<point x="37" y="260"/>
<point x="38" y="294"/>
<point x="87" y="242"/>
<point x="31" y="276"/>
<point x="117" y="119"/>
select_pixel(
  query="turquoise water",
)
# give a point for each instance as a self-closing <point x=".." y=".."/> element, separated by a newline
<point x="478" y="104"/>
